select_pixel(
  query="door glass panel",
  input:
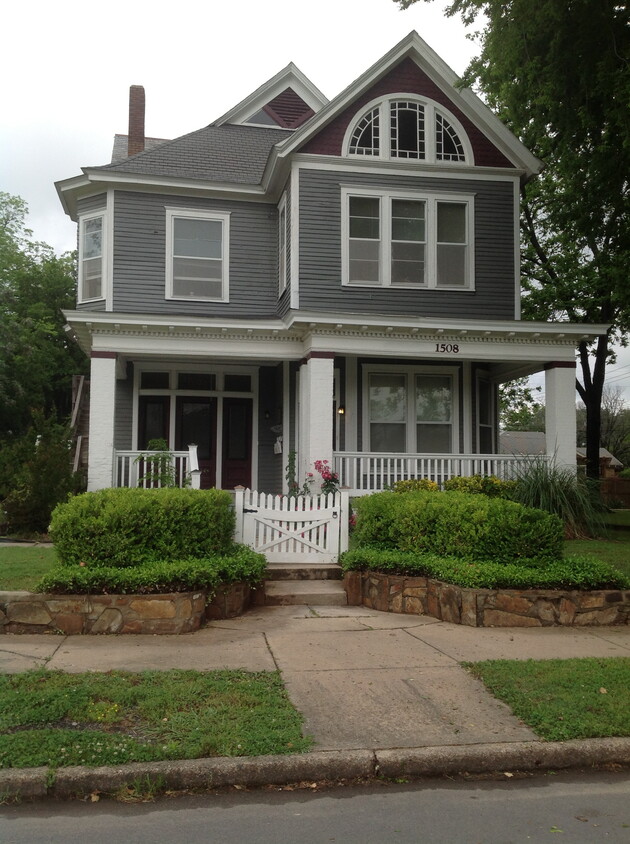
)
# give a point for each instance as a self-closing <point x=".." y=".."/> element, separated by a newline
<point x="154" y="417"/>
<point x="195" y="426"/>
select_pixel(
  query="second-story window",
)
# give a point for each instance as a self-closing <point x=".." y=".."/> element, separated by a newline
<point x="197" y="259"/>
<point x="91" y="254"/>
<point x="282" y="247"/>
<point x="399" y="239"/>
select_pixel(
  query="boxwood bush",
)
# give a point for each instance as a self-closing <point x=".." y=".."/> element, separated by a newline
<point x="185" y="575"/>
<point x="130" y="527"/>
<point x="456" y="524"/>
<point x="572" y="572"/>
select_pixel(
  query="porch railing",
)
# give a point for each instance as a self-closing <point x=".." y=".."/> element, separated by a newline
<point x="128" y="470"/>
<point x="364" y="472"/>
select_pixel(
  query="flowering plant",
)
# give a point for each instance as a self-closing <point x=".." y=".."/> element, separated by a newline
<point x="330" y="479"/>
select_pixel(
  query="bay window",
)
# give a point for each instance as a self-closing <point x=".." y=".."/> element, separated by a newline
<point x="91" y="257"/>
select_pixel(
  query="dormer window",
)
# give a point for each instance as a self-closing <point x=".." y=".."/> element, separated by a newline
<point x="408" y="128"/>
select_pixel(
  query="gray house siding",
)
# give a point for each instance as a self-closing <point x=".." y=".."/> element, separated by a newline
<point x="140" y="256"/>
<point x="320" y="250"/>
<point x="124" y="412"/>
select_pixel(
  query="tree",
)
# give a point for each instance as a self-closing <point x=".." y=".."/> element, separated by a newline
<point x="518" y="408"/>
<point x="615" y="424"/>
<point x="558" y="75"/>
<point x="37" y="361"/>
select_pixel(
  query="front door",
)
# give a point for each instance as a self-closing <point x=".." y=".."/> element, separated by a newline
<point x="196" y="422"/>
<point x="237" y="443"/>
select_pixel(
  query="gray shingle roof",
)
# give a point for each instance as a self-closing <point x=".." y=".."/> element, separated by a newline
<point x="216" y="153"/>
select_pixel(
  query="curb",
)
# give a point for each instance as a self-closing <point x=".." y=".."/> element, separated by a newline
<point x="67" y="783"/>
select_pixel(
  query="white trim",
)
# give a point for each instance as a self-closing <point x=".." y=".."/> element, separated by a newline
<point x="283" y="232"/>
<point x="410" y="372"/>
<point x="431" y="199"/>
<point x="286" y="421"/>
<point x="295" y="237"/>
<point x="431" y="108"/>
<point x="222" y="217"/>
<point x="103" y="215"/>
<point x="396" y="167"/>
<point x="109" y="246"/>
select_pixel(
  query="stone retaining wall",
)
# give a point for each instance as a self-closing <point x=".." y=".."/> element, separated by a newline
<point x="176" y="612"/>
<point x="487" y="607"/>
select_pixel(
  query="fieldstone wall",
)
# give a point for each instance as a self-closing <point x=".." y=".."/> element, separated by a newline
<point x="172" y="613"/>
<point x="487" y="607"/>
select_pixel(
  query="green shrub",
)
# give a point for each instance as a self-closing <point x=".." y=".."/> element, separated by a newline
<point x="129" y="527"/>
<point x="573" y="572"/>
<point x="415" y="484"/>
<point x="560" y="490"/>
<point x="157" y="577"/>
<point x="488" y="485"/>
<point x="472" y="527"/>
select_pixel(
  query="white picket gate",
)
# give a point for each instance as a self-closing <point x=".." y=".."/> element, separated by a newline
<point x="306" y="529"/>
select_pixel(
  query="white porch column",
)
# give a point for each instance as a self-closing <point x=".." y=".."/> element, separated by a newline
<point x="560" y="422"/>
<point x="102" y="409"/>
<point x="316" y="410"/>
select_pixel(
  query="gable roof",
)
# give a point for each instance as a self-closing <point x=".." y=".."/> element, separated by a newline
<point x="414" y="47"/>
<point x="290" y="77"/>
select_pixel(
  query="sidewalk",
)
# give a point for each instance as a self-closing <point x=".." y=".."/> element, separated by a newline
<point x="379" y="692"/>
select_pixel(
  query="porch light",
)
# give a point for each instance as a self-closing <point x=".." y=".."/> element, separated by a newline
<point x="341" y="411"/>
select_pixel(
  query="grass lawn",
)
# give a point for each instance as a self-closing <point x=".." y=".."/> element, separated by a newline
<point x="56" y="719"/>
<point x="615" y="549"/>
<point x="22" y="566"/>
<point x="563" y="699"/>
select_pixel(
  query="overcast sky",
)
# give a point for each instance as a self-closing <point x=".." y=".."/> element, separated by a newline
<point x="67" y="66"/>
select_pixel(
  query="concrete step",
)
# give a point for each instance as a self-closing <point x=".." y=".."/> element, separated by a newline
<point x="317" y="593"/>
<point x="302" y="571"/>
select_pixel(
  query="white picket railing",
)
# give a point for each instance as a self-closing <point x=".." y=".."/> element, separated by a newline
<point x="304" y="529"/>
<point x="363" y="472"/>
<point x="128" y="470"/>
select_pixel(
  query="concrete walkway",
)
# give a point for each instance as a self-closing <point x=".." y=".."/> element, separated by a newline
<point x="364" y="680"/>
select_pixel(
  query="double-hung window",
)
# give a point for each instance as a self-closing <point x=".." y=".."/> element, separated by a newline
<point x="282" y="246"/>
<point x="411" y="411"/>
<point x="91" y="257"/>
<point x="197" y="255"/>
<point x="395" y="239"/>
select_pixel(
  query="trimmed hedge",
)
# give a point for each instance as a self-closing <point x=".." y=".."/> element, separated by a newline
<point x="130" y="527"/>
<point x="157" y="577"/>
<point x="456" y="524"/>
<point x="488" y="485"/>
<point x="572" y="572"/>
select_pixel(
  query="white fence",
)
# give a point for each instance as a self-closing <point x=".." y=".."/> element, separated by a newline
<point x="363" y="472"/>
<point x="306" y="529"/>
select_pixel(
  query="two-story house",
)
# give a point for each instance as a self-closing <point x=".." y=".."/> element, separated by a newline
<point x="335" y="278"/>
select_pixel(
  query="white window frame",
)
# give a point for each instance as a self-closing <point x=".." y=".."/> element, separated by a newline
<point x="282" y="245"/>
<point x="431" y="108"/>
<point x="431" y="200"/>
<point x="83" y="219"/>
<point x="410" y="373"/>
<point x="222" y="217"/>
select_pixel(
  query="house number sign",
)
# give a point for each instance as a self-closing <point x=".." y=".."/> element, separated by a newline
<point x="447" y="348"/>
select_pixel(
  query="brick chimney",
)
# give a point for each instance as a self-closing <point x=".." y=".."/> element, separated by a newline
<point x="135" y="140"/>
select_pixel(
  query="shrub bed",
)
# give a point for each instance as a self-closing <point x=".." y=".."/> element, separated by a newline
<point x="574" y="572"/>
<point x="455" y="524"/>
<point x="129" y="527"/>
<point x="190" y="574"/>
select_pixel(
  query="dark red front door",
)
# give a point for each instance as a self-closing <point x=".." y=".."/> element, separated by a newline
<point x="196" y="422"/>
<point x="237" y="443"/>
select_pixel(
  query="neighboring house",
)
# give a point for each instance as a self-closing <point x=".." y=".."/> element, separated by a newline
<point x="335" y="278"/>
<point x="533" y="443"/>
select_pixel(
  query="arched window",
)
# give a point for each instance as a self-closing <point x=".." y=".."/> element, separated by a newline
<point x="408" y="128"/>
